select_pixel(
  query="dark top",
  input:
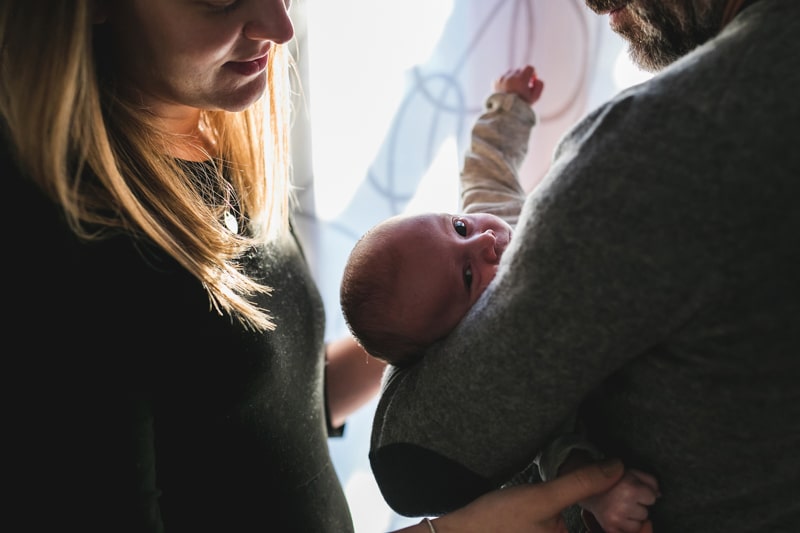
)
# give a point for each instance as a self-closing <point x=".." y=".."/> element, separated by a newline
<point x="132" y="406"/>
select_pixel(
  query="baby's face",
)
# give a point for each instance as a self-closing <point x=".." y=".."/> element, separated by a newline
<point x="447" y="262"/>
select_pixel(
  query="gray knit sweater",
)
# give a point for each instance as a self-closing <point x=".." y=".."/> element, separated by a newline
<point x="490" y="184"/>
<point x="653" y="284"/>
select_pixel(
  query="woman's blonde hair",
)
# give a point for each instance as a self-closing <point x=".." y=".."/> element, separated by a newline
<point x="102" y="159"/>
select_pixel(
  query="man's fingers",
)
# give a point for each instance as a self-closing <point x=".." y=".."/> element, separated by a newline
<point x="587" y="481"/>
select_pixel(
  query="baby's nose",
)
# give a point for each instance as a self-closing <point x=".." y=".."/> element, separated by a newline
<point x="486" y="245"/>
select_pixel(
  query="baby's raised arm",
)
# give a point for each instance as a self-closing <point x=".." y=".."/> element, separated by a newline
<point x="500" y="137"/>
<point x="522" y="82"/>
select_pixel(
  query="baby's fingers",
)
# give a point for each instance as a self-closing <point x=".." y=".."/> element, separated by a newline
<point x="616" y="525"/>
<point x="625" y="519"/>
<point x="647" y="480"/>
<point x="536" y="86"/>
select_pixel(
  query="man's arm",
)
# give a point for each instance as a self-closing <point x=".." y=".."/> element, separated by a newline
<point x="600" y="270"/>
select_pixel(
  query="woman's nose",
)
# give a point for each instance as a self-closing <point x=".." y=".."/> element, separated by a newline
<point x="269" y="22"/>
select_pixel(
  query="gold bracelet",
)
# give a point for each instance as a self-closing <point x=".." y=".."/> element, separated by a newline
<point x="430" y="524"/>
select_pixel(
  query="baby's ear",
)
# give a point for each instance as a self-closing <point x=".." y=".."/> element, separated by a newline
<point x="99" y="11"/>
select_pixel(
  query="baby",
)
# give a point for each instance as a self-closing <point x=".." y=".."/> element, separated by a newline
<point x="411" y="279"/>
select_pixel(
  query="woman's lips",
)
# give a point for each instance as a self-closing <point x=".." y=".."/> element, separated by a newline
<point x="248" y="68"/>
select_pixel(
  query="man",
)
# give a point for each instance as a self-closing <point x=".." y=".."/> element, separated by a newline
<point x="653" y="283"/>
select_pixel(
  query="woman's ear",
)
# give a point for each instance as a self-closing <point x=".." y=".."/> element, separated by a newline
<point x="99" y="11"/>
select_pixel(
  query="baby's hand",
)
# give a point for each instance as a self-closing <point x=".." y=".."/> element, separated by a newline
<point x="522" y="82"/>
<point x="623" y="508"/>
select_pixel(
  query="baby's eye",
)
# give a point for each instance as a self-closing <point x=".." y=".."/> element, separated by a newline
<point x="468" y="277"/>
<point x="224" y="6"/>
<point x="460" y="226"/>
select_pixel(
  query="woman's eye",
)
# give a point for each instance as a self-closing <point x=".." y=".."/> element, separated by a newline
<point x="460" y="226"/>
<point x="468" y="277"/>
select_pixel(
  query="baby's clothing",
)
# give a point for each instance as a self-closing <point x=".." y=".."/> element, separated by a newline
<point x="490" y="178"/>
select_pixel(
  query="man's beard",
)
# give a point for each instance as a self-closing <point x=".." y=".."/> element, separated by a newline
<point x="603" y="6"/>
<point x="661" y="31"/>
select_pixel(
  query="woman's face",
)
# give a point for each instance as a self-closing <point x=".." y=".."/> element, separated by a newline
<point x="204" y="54"/>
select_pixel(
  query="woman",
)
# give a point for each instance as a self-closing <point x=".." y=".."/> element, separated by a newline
<point x="168" y="366"/>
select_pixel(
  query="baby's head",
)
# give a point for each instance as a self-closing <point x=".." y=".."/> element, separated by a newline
<point x="411" y="279"/>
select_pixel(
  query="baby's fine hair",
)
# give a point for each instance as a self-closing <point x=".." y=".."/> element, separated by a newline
<point x="367" y="297"/>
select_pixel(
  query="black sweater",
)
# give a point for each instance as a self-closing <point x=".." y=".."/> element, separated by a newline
<point x="132" y="406"/>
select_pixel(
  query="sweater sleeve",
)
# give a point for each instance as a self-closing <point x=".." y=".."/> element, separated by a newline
<point x="554" y="453"/>
<point x="489" y="179"/>
<point x="490" y="184"/>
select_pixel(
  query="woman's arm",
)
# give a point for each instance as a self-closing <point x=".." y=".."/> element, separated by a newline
<point x="353" y="377"/>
